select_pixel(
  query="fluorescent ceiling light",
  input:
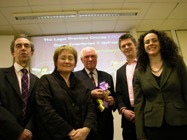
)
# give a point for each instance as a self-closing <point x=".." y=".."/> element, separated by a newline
<point x="70" y="14"/>
<point x="97" y="13"/>
<point x="50" y="15"/>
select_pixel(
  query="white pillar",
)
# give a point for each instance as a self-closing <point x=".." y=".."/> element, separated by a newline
<point x="134" y="33"/>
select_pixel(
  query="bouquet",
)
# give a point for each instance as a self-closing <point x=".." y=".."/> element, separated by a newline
<point x="104" y="86"/>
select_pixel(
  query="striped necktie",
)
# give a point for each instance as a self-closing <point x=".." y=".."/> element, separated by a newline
<point x="91" y="77"/>
<point x="25" y="89"/>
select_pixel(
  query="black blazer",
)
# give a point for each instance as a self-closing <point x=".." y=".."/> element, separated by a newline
<point x="11" y="121"/>
<point x="105" y="118"/>
<point x="62" y="108"/>
<point x="122" y="92"/>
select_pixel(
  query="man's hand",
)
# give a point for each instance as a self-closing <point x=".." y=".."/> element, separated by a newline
<point x="129" y="115"/>
<point x="110" y="100"/>
<point x="97" y="93"/>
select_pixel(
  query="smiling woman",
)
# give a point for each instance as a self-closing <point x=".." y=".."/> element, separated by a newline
<point x="60" y="97"/>
<point x="65" y="59"/>
<point x="159" y="88"/>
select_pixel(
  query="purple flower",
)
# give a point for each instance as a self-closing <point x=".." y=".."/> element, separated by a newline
<point x="103" y="85"/>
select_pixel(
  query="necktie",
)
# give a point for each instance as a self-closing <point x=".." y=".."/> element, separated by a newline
<point x="92" y="78"/>
<point x="24" y="86"/>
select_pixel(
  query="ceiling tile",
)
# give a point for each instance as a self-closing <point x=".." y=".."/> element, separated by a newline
<point x="126" y="25"/>
<point x="13" y="3"/>
<point x="152" y="14"/>
<point x="138" y="1"/>
<point x="7" y="30"/>
<point x="28" y="29"/>
<point x="46" y="8"/>
<point x="107" y="1"/>
<point x="179" y="12"/>
<point x="103" y="26"/>
<point x="54" y="28"/>
<point x="171" y="24"/>
<point x="46" y="2"/>
<point x="113" y="5"/>
<point x="3" y="21"/>
<point x="183" y="26"/>
<point x="83" y="27"/>
<point x="149" y="24"/>
<point x="9" y="14"/>
<point x="76" y="1"/>
<point x="76" y="7"/>
<point x="159" y="10"/>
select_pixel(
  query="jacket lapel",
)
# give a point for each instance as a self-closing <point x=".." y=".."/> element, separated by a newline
<point x="150" y="78"/>
<point x="55" y="76"/>
<point x="165" y="75"/>
<point x="87" y="80"/>
<point x="11" y="76"/>
<point x="100" y="77"/>
<point x="32" y="82"/>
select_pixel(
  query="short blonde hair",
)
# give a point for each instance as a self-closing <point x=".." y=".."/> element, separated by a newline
<point x="64" y="48"/>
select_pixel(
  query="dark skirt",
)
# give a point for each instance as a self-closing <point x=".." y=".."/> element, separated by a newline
<point x="166" y="132"/>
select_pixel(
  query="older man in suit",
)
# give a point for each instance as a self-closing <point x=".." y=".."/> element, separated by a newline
<point x="17" y="100"/>
<point x="104" y="113"/>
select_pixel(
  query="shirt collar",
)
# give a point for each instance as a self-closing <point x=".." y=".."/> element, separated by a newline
<point x="88" y="72"/>
<point x="18" y="67"/>
<point x="134" y="61"/>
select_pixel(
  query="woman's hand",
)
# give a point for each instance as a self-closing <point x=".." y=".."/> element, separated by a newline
<point x="80" y="134"/>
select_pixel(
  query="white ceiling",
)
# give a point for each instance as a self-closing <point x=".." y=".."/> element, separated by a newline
<point x="153" y="14"/>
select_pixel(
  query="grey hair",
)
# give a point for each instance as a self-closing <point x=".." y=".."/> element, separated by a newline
<point x="87" y="48"/>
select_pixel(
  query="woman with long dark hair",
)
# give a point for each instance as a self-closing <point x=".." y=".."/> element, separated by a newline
<point x="160" y="89"/>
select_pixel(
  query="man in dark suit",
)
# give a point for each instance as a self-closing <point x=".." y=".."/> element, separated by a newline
<point x="16" y="113"/>
<point x="124" y="87"/>
<point x="104" y="111"/>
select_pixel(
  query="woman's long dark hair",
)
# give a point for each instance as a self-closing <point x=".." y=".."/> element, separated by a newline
<point x="169" y="50"/>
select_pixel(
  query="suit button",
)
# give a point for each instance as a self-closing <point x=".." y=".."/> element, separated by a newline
<point x="73" y="104"/>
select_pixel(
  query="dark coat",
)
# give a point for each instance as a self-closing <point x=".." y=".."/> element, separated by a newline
<point x="62" y="109"/>
<point x="105" y="129"/>
<point x="122" y="91"/>
<point x="11" y="121"/>
<point x="123" y="100"/>
<point x="155" y="103"/>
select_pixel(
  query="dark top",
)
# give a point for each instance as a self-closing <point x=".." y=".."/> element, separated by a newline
<point x="62" y="108"/>
<point x="122" y="92"/>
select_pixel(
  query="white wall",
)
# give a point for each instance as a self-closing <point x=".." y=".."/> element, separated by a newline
<point x="6" y="59"/>
<point x="117" y="126"/>
<point x="182" y="38"/>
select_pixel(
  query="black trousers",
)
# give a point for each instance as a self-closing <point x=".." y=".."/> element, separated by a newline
<point x="129" y="131"/>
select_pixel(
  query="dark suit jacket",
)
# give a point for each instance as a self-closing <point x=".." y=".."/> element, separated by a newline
<point x="122" y="92"/>
<point x="105" y="118"/>
<point x="168" y="101"/>
<point x="11" y="121"/>
<point x="62" y="108"/>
